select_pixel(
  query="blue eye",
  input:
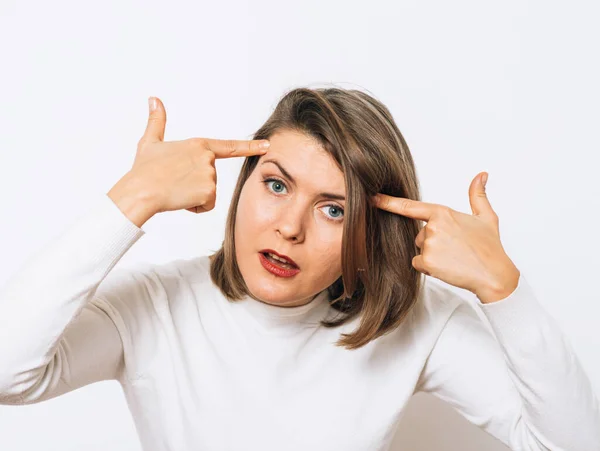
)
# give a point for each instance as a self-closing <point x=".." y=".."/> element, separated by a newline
<point x="336" y="208"/>
<point x="280" y="183"/>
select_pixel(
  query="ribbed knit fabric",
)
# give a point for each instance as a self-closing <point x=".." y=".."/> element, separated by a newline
<point x="202" y="373"/>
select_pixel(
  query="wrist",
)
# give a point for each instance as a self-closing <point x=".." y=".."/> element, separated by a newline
<point x="133" y="200"/>
<point x="500" y="289"/>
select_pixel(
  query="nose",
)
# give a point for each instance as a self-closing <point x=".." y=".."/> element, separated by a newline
<point x="291" y="222"/>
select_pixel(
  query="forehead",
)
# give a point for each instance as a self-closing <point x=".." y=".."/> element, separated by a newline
<point x="283" y="140"/>
<point x="305" y="160"/>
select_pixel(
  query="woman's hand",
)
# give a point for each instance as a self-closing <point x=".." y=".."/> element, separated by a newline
<point x="460" y="249"/>
<point x="175" y="175"/>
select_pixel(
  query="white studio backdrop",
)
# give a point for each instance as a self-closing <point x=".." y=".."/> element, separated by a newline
<point x="509" y="87"/>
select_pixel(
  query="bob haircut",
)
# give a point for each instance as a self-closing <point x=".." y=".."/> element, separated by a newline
<point x="358" y="131"/>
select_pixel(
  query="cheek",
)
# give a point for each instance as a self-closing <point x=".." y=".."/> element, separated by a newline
<point x="259" y="206"/>
<point x="263" y="216"/>
<point x="254" y="211"/>
<point x="328" y="248"/>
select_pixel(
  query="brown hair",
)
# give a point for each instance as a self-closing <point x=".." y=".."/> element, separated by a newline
<point x="358" y="131"/>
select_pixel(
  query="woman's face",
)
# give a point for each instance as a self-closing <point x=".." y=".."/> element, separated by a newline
<point x="293" y="217"/>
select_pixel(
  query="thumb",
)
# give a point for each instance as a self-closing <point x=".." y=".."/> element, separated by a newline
<point x="478" y="199"/>
<point x="157" y="119"/>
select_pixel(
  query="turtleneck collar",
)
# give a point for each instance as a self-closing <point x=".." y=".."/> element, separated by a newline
<point x="276" y="319"/>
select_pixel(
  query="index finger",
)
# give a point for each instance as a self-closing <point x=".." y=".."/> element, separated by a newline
<point x="405" y="207"/>
<point x="228" y="148"/>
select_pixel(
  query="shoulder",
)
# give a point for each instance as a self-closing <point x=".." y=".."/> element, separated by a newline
<point x="411" y="343"/>
<point x="152" y="283"/>
<point x="434" y="307"/>
<point x="174" y="273"/>
<point x="438" y="307"/>
<point x="437" y="303"/>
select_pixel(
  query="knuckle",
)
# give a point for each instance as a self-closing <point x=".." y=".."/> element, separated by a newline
<point x="209" y="205"/>
<point x="443" y="215"/>
<point x="211" y="191"/>
<point x="229" y="145"/>
<point x="404" y="205"/>
<point x="209" y="195"/>
<point x="196" y="142"/>
<point x="383" y="203"/>
<point x="431" y="227"/>
<point x="445" y="212"/>
<point x="427" y="260"/>
<point x="141" y="143"/>
<point x="419" y="238"/>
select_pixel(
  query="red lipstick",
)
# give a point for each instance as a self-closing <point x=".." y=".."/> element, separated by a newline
<point x="275" y="267"/>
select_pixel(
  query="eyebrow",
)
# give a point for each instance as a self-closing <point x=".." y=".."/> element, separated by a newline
<point x="288" y="176"/>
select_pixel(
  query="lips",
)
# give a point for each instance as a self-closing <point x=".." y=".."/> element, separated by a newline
<point x="285" y="257"/>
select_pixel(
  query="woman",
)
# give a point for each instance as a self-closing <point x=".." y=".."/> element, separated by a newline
<point x="312" y="326"/>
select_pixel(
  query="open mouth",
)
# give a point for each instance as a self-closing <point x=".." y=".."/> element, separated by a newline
<point x="279" y="262"/>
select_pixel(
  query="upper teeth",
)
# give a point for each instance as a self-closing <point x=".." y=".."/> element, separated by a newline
<point x="278" y="258"/>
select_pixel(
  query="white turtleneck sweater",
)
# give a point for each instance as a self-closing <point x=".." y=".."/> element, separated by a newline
<point x="202" y="373"/>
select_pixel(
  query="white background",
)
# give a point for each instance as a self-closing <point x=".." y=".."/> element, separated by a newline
<point x="506" y="87"/>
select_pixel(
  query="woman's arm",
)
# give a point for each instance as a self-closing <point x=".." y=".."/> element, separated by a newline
<point x="57" y="330"/>
<point x="521" y="382"/>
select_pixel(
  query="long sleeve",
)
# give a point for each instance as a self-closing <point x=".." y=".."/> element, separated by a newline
<point x="56" y="335"/>
<point x="518" y="378"/>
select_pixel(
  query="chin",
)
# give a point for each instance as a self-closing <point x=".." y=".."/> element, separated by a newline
<point x="270" y="294"/>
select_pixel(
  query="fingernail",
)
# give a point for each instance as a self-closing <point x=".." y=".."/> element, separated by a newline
<point x="152" y="103"/>
<point x="264" y="144"/>
<point x="484" y="179"/>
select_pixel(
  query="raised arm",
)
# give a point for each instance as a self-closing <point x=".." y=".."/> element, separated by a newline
<point x="60" y="328"/>
<point x="520" y="381"/>
<point x="57" y="335"/>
